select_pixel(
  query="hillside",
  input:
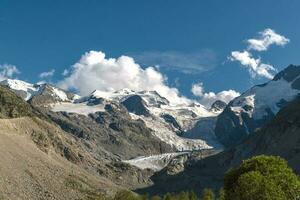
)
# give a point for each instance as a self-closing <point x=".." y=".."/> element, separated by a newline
<point x="41" y="161"/>
<point x="27" y="172"/>
<point x="12" y="105"/>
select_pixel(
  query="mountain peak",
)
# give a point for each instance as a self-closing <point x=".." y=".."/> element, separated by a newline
<point x="218" y="106"/>
<point x="257" y="106"/>
<point x="289" y="74"/>
<point x="22" y="88"/>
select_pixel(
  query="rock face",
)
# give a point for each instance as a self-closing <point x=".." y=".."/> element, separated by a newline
<point x="257" y="106"/>
<point x="135" y="104"/>
<point x="49" y="94"/>
<point x="171" y="120"/>
<point x="111" y="131"/>
<point x="218" y="106"/>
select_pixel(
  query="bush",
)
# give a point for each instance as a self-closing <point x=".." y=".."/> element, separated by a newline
<point x="208" y="194"/>
<point x="12" y="106"/>
<point x="128" y="195"/>
<point x="262" y="178"/>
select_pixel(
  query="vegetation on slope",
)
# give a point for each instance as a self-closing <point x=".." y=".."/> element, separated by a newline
<point x="258" y="178"/>
<point x="262" y="178"/>
<point x="12" y="106"/>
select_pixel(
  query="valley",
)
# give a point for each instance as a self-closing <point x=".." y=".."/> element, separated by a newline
<point x="137" y="140"/>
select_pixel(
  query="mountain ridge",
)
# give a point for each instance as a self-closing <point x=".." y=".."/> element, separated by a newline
<point x="153" y="107"/>
<point x="257" y="106"/>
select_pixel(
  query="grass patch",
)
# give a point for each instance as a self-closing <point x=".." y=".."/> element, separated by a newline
<point x="79" y="184"/>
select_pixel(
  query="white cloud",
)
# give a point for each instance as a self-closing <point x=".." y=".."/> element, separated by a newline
<point x="197" y="89"/>
<point x="65" y="72"/>
<point x="267" y="37"/>
<point x="208" y="98"/>
<point x="8" y="71"/>
<point x="255" y="66"/>
<point x="188" y="63"/>
<point x="94" y="71"/>
<point x="47" y="74"/>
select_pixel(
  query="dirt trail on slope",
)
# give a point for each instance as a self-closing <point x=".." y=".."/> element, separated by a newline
<point x="26" y="172"/>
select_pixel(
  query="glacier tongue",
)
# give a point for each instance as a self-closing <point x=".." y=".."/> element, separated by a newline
<point x="165" y="133"/>
<point x="154" y="162"/>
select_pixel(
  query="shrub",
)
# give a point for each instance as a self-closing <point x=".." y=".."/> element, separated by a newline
<point x="262" y="178"/>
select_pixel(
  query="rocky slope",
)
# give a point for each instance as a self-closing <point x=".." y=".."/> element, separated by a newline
<point x="39" y="158"/>
<point x="257" y="106"/>
<point x="28" y="171"/>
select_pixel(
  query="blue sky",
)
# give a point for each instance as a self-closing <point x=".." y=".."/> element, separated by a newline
<point x="189" y="40"/>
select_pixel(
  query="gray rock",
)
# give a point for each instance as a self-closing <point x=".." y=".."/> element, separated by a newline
<point x="218" y="106"/>
<point x="135" y="104"/>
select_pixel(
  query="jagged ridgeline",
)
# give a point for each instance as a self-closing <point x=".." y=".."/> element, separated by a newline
<point x="12" y="106"/>
<point x="257" y="106"/>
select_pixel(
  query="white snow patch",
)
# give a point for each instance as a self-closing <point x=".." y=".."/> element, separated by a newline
<point x="165" y="133"/>
<point x="79" y="108"/>
<point x="19" y="85"/>
<point x="262" y="98"/>
<point x="60" y="94"/>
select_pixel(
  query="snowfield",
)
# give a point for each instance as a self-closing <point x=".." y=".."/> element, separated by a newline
<point x="164" y="132"/>
<point x="22" y="86"/>
<point x="79" y="108"/>
<point x="260" y="103"/>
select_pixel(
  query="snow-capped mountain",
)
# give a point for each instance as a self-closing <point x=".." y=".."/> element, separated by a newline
<point x="22" y="88"/>
<point x="28" y="91"/>
<point x="257" y="106"/>
<point x="168" y="122"/>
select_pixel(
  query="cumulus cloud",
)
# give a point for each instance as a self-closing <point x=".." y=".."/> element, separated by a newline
<point x="254" y="66"/>
<point x="8" y="71"/>
<point x="197" y="89"/>
<point x="208" y="98"/>
<point x="94" y="71"/>
<point x="266" y="38"/>
<point x="191" y="62"/>
<point x="47" y="74"/>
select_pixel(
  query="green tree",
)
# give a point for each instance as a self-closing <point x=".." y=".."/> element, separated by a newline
<point x="167" y="196"/>
<point x="221" y="194"/>
<point x="208" y="194"/>
<point x="192" y="196"/>
<point x="262" y="178"/>
<point x="155" y="197"/>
